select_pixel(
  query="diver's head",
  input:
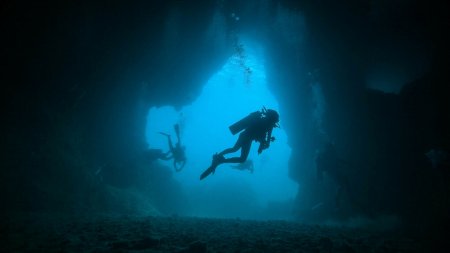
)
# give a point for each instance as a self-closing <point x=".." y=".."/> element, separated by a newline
<point x="273" y="117"/>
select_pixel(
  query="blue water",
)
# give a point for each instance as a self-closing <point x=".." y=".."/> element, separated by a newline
<point x="229" y="95"/>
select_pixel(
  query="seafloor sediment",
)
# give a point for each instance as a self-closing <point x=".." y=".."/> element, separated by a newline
<point x="54" y="233"/>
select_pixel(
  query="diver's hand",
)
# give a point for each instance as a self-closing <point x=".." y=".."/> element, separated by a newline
<point x="260" y="149"/>
<point x="262" y="146"/>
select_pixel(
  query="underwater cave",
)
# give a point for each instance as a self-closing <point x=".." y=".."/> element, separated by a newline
<point x="230" y="94"/>
<point x="96" y="93"/>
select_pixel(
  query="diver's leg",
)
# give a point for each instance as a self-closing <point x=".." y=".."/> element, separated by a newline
<point x="169" y="140"/>
<point x="245" y="149"/>
<point x="219" y="159"/>
<point x="230" y="150"/>
<point x="177" y="131"/>
<point x="236" y="146"/>
<point x="175" y="164"/>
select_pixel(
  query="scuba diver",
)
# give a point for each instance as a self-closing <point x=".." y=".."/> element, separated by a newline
<point x="257" y="126"/>
<point x="247" y="165"/>
<point x="177" y="152"/>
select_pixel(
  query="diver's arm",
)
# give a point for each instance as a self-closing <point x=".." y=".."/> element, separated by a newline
<point x="170" y="144"/>
<point x="265" y="143"/>
<point x="261" y="147"/>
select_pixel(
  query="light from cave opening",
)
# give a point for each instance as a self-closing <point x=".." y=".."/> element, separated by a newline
<point x="230" y="94"/>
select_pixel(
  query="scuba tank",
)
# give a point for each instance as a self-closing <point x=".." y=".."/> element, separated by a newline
<point x="246" y="121"/>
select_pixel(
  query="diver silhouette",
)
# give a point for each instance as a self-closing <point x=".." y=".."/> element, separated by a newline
<point x="257" y="126"/>
<point x="176" y="152"/>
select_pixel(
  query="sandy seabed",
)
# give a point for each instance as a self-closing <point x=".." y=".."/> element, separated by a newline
<point x="54" y="233"/>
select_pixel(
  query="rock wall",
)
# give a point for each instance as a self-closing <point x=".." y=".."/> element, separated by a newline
<point x="81" y="76"/>
<point x="384" y="136"/>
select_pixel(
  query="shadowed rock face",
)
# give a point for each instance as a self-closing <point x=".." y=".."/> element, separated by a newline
<point x="82" y="76"/>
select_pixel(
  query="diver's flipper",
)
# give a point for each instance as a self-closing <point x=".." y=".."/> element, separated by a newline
<point x="210" y="170"/>
<point x="217" y="159"/>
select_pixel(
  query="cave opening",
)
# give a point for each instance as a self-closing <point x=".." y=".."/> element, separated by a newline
<point x="236" y="90"/>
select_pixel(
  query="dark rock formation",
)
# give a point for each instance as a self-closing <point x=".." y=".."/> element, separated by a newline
<point x="79" y="78"/>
